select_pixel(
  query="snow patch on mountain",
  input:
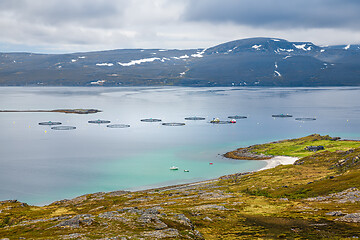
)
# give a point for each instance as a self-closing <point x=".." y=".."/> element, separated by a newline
<point x="257" y="47"/>
<point x="139" y="61"/>
<point x="99" y="82"/>
<point x="303" y="47"/>
<point x="284" y="50"/>
<point x="105" y="64"/>
<point x="184" y="57"/>
<point x="199" y="54"/>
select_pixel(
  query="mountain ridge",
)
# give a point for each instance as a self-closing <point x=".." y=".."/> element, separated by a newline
<point x="244" y="62"/>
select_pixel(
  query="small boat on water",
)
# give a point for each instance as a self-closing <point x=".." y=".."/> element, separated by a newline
<point x="186" y="170"/>
<point x="233" y="121"/>
<point x="215" y="120"/>
<point x="174" y="168"/>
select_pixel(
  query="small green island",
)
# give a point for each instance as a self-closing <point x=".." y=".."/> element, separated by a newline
<point x="317" y="197"/>
<point x="75" y="111"/>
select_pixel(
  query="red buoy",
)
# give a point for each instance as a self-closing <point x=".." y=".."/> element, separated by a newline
<point x="211" y="163"/>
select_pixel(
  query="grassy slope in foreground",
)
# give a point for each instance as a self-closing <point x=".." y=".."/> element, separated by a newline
<point x="282" y="202"/>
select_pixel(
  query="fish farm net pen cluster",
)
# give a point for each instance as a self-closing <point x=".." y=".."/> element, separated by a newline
<point x="305" y="119"/>
<point x="118" y="126"/>
<point x="237" y="117"/>
<point x="150" y="120"/>
<point x="50" y="123"/>
<point x="99" y="121"/>
<point x="63" y="128"/>
<point x="194" y="118"/>
<point x="173" y="124"/>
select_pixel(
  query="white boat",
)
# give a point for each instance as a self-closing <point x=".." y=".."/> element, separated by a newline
<point x="186" y="170"/>
<point x="174" y="168"/>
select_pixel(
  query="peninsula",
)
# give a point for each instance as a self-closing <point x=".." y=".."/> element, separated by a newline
<point x="317" y="197"/>
<point x="76" y="111"/>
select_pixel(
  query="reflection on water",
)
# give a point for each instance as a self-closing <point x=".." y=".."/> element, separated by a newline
<point x="39" y="165"/>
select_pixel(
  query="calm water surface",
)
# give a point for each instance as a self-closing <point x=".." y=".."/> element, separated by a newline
<point x="39" y="165"/>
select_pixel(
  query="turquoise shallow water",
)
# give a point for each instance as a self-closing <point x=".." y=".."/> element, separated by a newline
<point x="39" y="165"/>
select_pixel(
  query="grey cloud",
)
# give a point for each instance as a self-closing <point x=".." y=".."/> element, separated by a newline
<point x="59" y="12"/>
<point x="277" y="13"/>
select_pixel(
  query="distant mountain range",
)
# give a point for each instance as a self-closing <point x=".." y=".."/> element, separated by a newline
<point x="246" y="62"/>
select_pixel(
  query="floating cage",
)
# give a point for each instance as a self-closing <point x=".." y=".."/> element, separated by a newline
<point x="173" y="124"/>
<point x="237" y="117"/>
<point x="150" y="120"/>
<point x="194" y="118"/>
<point x="50" y="123"/>
<point x="99" y="121"/>
<point x="221" y="122"/>
<point x="63" y="128"/>
<point x="281" y="115"/>
<point x="305" y="119"/>
<point x="118" y="126"/>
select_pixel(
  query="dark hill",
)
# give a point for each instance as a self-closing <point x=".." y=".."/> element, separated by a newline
<point x="251" y="62"/>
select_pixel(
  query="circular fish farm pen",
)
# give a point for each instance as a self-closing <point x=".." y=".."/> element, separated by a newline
<point x="237" y="117"/>
<point x="150" y="120"/>
<point x="173" y="124"/>
<point x="221" y="122"/>
<point x="305" y="119"/>
<point x="63" y="128"/>
<point x="99" y="121"/>
<point x="194" y="118"/>
<point x="281" y="115"/>
<point x="118" y="126"/>
<point x="49" y="123"/>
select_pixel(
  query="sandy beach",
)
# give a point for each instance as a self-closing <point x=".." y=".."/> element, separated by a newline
<point x="278" y="160"/>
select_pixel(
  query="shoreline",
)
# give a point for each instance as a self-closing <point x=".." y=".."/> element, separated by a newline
<point x="270" y="163"/>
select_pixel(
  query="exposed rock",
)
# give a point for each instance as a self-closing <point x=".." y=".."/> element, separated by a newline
<point x="72" y="235"/>
<point x="133" y="210"/>
<point x="8" y="201"/>
<point x="211" y="206"/>
<point x="112" y="216"/>
<point x="335" y="213"/>
<point x="184" y="220"/>
<point x="353" y="217"/>
<point x="117" y="193"/>
<point x="348" y="195"/>
<point x="153" y="210"/>
<point x="27" y="222"/>
<point x="166" y="233"/>
<point x="152" y="220"/>
<point x="85" y="219"/>
<point x="284" y="199"/>
<point x="207" y="219"/>
<point x="246" y="154"/>
<point x="198" y="235"/>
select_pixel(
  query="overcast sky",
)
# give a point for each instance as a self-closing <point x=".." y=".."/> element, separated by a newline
<point x="87" y="25"/>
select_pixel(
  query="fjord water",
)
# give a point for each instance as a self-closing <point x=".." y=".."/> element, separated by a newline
<point x="39" y="165"/>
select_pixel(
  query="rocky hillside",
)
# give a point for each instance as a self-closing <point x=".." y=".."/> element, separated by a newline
<point x="247" y="62"/>
<point x="316" y="198"/>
